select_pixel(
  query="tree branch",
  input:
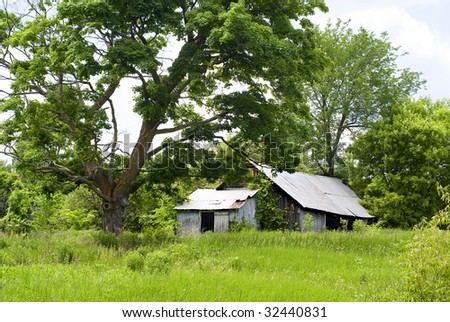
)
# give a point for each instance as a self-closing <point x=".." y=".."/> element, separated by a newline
<point x="107" y="95"/>
<point x="164" y="146"/>
<point x="114" y="144"/>
<point x="74" y="177"/>
<point x="245" y="155"/>
<point x="189" y="124"/>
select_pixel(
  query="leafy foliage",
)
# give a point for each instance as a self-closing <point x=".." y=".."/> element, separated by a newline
<point x="135" y="261"/>
<point x="65" y="62"/>
<point x="441" y="220"/>
<point x="308" y="222"/>
<point x="151" y="210"/>
<point x="359" y="84"/>
<point x="427" y="260"/>
<point x="20" y="208"/>
<point x="427" y="267"/>
<point x="7" y="179"/>
<point x="401" y="160"/>
<point x="268" y="213"/>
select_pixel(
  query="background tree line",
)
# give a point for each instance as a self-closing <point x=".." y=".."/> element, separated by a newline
<point x="329" y="102"/>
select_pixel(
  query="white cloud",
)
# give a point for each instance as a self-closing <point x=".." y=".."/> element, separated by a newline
<point x="427" y="51"/>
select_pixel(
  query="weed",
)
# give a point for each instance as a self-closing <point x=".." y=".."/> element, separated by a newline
<point x="129" y="240"/>
<point x="359" y="226"/>
<point x="135" y="261"/>
<point x="3" y="244"/>
<point x="427" y="267"/>
<point x="65" y="254"/>
<point x="106" y="240"/>
<point x="238" y="226"/>
<point x="6" y="260"/>
<point x="244" y="266"/>
<point x="159" y="262"/>
<point x="308" y="222"/>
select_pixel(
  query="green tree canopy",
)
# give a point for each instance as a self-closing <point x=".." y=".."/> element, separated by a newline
<point x="7" y="180"/>
<point x="238" y="68"/>
<point x="401" y="160"/>
<point x="360" y="82"/>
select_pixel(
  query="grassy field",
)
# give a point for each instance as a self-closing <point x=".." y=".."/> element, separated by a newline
<point x="245" y="266"/>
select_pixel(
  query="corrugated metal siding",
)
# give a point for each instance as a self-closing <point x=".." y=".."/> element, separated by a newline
<point x="320" y="222"/>
<point x="221" y="223"/>
<point x="318" y="193"/>
<point x="247" y="212"/>
<point x="211" y="199"/>
<point x="189" y="223"/>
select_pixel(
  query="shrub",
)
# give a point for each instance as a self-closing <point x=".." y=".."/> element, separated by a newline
<point x="128" y="240"/>
<point x="359" y="226"/>
<point x="427" y="267"/>
<point x="268" y="214"/>
<point x="308" y="222"/>
<point x="237" y="226"/>
<point x="65" y="254"/>
<point x="135" y="261"/>
<point x="108" y="240"/>
<point x="76" y="219"/>
<point x="159" y="233"/>
<point x="151" y="208"/>
<point x="159" y="262"/>
<point x="6" y="260"/>
<point x="442" y="218"/>
<point x="427" y="260"/>
<point x="20" y="209"/>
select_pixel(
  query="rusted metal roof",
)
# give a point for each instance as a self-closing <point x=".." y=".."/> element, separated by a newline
<point x="212" y="199"/>
<point x="320" y="193"/>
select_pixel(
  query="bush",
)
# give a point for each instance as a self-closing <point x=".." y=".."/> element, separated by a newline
<point x="76" y="219"/>
<point x="308" y="222"/>
<point x="129" y="240"/>
<point x="159" y="262"/>
<point x="359" y="226"/>
<point x="159" y="233"/>
<point x="442" y="219"/>
<point x="20" y="209"/>
<point x="238" y="226"/>
<point x="79" y="210"/>
<point x="268" y="214"/>
<point x="135" y="261"/>
<point x="6" y="260"/>
<point x="427" y="267"/>
<point x="65" y="254"/>
<point x="151" y="208"/>
<point x="108" y="240"/>
<point x="3" y="244"/>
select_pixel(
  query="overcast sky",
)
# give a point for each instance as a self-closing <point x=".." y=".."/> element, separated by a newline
<point x="420" y="27"/>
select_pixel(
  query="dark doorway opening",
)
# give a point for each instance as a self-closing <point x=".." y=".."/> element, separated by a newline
<point x="207" y="223"/>
<point x="333" y="222"/>
<point x="350" y="223"/>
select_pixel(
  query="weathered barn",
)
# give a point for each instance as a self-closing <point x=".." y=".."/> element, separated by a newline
<point x="214" y="209"/>
<point x="328" y="200"/>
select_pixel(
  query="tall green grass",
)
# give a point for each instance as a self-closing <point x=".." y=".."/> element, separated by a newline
<point x="244" y="266"/>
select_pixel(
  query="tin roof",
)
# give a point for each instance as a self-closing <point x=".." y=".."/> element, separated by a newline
<point x="318" y="192"/>
<point x="212" y="199"/>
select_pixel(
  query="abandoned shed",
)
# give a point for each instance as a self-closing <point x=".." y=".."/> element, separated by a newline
<point x="327" y="199"/>
<point x="214" y="209"/>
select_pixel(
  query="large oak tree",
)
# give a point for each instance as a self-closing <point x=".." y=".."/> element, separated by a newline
<point x="238" y="68"/>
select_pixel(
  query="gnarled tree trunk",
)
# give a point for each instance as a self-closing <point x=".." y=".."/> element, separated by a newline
<point x="112" y="217"/>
